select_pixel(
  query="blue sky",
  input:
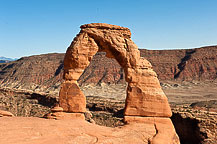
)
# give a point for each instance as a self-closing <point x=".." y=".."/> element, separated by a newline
<point x="30" y="27"/>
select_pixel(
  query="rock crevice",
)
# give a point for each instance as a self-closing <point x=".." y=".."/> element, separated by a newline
<point x="183" y="62"/>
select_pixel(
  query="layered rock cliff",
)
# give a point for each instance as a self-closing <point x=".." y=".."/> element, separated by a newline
<point x="188" y="64"/>
<point x="44" y="72"/>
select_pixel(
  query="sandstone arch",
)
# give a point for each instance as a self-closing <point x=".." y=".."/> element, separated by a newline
<point x="144" y="94"/>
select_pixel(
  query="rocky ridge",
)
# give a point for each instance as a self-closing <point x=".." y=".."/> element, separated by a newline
<point x="44" y="72"/>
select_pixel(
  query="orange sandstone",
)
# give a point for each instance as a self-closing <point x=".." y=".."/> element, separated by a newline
<point x="144" y="94"/>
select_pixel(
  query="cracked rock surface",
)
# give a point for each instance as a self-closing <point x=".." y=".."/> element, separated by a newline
<point x="32" y="130"/>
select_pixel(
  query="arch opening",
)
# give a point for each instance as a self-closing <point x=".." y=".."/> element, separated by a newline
<point x="104" y="87"/>
<point x="102" y="71"/>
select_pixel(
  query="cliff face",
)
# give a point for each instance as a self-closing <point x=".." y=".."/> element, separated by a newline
<point x="41" y="71"/>
<point x="45" y="71"/>
<point x="189" y="64"/>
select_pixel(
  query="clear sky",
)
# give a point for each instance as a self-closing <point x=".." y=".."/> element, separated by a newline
<point x="30" y="27"/>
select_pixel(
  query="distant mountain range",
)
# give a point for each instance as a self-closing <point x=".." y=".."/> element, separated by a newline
<point x="6" y="60"/>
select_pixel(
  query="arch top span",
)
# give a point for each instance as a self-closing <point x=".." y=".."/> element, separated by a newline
<point x="104" y="26"/>
<point x="144" y="94"/>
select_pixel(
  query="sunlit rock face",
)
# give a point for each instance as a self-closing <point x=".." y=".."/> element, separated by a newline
<point x="144" y="94"/>
<point x="145" y="102"/>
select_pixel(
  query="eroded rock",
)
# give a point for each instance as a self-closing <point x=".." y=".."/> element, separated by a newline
<point x="65" y="116"/>
<point x="57" y="109"/>
<point x="145" y="98"/>
<point x="144" y="94"/>
<point x="165" y="131"/>
<point x="71" y="97"/>
<point x="5" y="113"/>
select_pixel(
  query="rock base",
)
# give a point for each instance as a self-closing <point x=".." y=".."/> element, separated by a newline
<point x="65" y="116"/>
<point x="5" y="113"/>
<point x="165" y="131"/>
<point x="71" y="98"/>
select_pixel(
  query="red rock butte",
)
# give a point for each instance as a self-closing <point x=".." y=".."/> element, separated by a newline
<point x="145" y="102"/>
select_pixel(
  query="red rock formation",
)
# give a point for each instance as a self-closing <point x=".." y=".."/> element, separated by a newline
<point x="144" y="94"/>
<point x="71" y="97"/>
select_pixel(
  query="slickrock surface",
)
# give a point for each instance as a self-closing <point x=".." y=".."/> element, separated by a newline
<point x="164" y="127"/>
<point x="31" y="130"/>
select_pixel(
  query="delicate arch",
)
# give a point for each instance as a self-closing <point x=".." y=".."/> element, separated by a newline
<point x="144" y="94"/>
